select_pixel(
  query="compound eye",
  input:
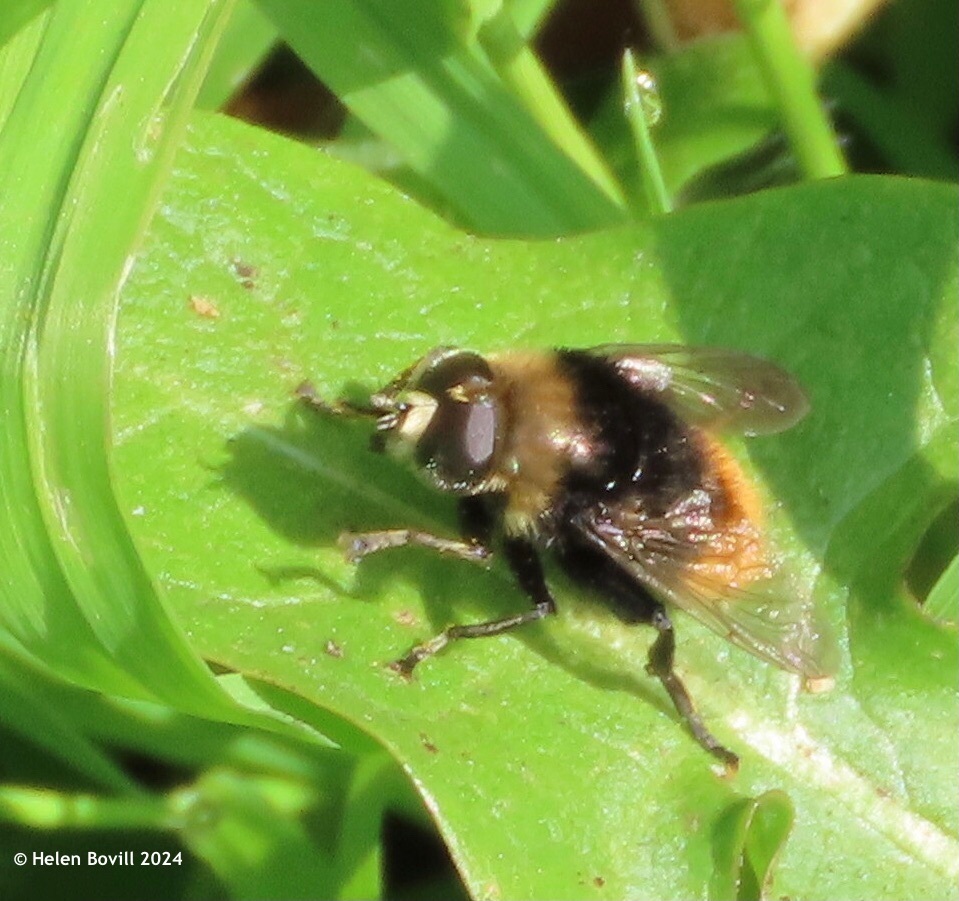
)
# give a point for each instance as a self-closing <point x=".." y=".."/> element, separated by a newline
<point x="458" y="446"/>
<point x="461" y="443"/>
<point x="479" y="434"/>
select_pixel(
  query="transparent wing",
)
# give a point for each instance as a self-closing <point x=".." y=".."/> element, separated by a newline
<point x="712" y="387"/>
<point x="722" y="577"/>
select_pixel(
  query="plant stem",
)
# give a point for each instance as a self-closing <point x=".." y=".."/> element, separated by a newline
<point x="636" y="113"/>
<point x="792" y="82"/>
<point x="518" y="66"/>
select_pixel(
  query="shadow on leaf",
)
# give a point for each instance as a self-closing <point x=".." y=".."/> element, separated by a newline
<point x="314" y="477"/>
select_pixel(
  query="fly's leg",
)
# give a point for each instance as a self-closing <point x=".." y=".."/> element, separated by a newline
<point x="660" y="664"/>
<point x="526" y="567"/>
<point x="476" y="528"/>
<point x="307" y="393"/>
<point x="347" y="409"/>
<point x="633" y="603"/>
<point x="357" y="545"/>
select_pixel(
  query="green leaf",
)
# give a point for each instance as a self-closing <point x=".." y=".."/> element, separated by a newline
<point x="907" y="142"/>
<point x="16" y="57"/>
<point x="552" y="764"/>
<point x="42" y="808"/>
<point x="75" y="595"/>
<point x="715" y="107"/>
<point x="16" y="14"/>
<point x="749" y="838"/>
<point x="246" y="41"/>
<point x="943" y="601"/>
<point x="429" y="90"/>
<point x="791" y="79"/>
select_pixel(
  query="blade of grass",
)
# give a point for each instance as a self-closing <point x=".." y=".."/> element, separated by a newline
<point x="246" y="42"/>
<point x="16" y="57"/>
<point x="525" y="75"/>
<point x="70" y="385"/>
<point x="639" y="122"/>
<point x="528" y="15"/>
<point x="792" y="82"/>
<point x="942" y="600"/>
<point x="39" y="144"/>
<point x="25" y="708"/>
<point x="408" y="72"/>
<point x="15" y="14"/>
<point x="42" y="808"/>
<point x="905" y="139"/>
<point x="91" y="144"/>
<point x="252" y="835"/>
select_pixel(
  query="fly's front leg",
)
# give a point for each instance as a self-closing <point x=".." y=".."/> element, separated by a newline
<point x="525" y="564"/>
<point x="385" y="418"/>
<point x="306" y="392"/>
<point x="357" y="545"/>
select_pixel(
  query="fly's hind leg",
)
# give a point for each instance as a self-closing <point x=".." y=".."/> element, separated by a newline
<point x="660" y="664"/>
<point x="633" y="603"/>
<point x="525" y="564"/>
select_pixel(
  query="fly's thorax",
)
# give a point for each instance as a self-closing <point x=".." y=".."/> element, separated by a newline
<point x="545" y="436"/>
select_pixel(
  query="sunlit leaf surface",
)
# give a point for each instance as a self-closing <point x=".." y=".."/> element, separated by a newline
<point x="551" y="762"/>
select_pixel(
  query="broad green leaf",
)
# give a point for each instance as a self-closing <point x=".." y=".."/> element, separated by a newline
<point x="552" y="764"/>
